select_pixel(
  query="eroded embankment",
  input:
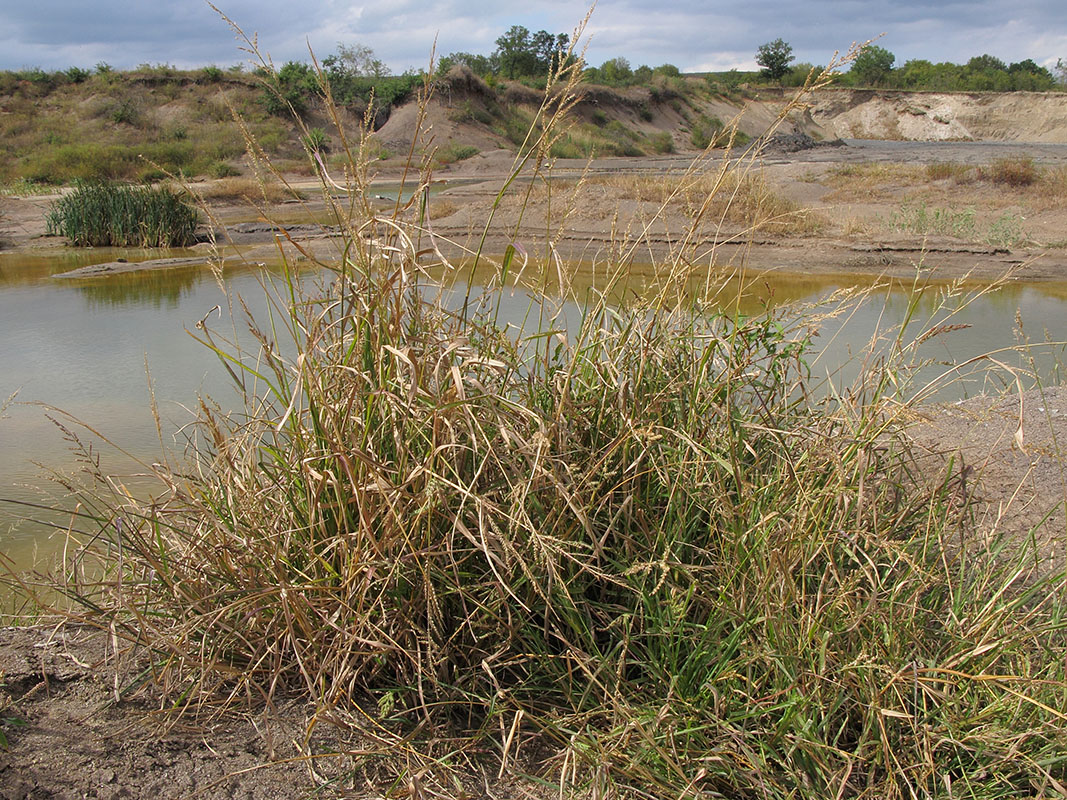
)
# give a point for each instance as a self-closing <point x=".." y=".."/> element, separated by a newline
<point x="940" y="116"/>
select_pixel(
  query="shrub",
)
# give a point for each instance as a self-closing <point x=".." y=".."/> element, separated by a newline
<point x="224" y="169"/>
<point x="102" y="215"/>
<point x="661" y="142"/>
<point x="124" y="112"/>
<point x="1015" y="172"/>
<point x="77" y="75"/>
<point x="455" y="151"/>
<point x="705" y="130"/>
<point x="210" y="74"/>
<point x="316" y="140"/>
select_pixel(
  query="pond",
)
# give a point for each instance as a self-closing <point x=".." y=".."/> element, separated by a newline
<point x="79" y="351"/>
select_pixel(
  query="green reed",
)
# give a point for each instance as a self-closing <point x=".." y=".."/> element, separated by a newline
<point x="118" y="215"/>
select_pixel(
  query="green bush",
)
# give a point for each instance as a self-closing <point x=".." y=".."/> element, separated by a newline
<point x="210" y="74"/>
<point x="316" y="140"/>
<point x="704" y="130"/>
<point x="661" y="142"/>
<point x="455" y="151"/>
<point x="77" y="75"/>
<point x="103" y="215"/>
<point x="124" y="112"/>
<point x="223" y="169"/>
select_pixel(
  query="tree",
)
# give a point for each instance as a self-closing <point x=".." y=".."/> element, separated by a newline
<point x="986" y="63"/>
<point x="522" y="54"/>
<point x="774" y="57"/>
<point x="1027" y="76"/>
<point x="356" y="60"/>
<point x="872" y="66"/>
<point x="615" y="72"/>
<point x="477" y="63"/>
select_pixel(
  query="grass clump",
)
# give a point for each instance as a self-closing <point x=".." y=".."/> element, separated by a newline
<point x="454" y="152"/>
<point x="1014" y="172"/>
<point x="743" y="202"/>
<point x="945" y="170"/>
<point x="635" y="533"/>
<point x="918" y="218"/>
<point x="102" y="215"/>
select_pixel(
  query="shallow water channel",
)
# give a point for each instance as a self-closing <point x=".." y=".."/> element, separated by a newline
<point x="81" y="349"/>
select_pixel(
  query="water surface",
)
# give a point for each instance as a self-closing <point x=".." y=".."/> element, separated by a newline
<point x="91" y="348"/>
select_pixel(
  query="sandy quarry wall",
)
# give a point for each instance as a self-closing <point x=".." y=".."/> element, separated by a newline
<point x="941" y="116"/>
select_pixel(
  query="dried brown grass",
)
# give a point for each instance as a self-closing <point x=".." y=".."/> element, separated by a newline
<point x="245" y="190"/>
<point x="742" y="201"/>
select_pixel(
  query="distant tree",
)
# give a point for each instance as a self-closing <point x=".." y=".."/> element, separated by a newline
<point x="1061" y="72"/>
<point x="1026" y="76"/>
<point x="872" y="66"/>
<point x="669" y="70"/>
<point x="774" y="57"/>
<point x="478" y="64"/>
<point x="643" y="74"/>
<point x="1026" y="65"/>
<point x="986" y="63"/>
<point x="356" y="60"/>
<point x="615" y="72"/>
<point x="522" y="54"/>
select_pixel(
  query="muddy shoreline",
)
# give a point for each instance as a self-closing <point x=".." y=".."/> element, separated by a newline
<point x="875" y="249"/>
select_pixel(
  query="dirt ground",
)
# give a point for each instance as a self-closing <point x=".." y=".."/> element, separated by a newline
<point x="855" y="201"/>
<point x="68" y="737"/>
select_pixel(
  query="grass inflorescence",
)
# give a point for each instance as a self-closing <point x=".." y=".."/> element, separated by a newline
<point x="102" y="214"/>
<point x="637" y="531"/>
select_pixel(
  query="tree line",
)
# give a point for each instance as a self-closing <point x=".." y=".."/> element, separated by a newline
<point x="874" y="67"/>
<point x="529" y="57"/>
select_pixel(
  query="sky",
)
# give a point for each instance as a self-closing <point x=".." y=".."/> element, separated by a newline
<point x="694" y="35"/>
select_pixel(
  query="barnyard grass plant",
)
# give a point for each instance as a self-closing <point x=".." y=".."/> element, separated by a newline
<point x="637" y="532"/>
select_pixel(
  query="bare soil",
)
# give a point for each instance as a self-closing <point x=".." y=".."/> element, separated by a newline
<point x="74" y="733"/>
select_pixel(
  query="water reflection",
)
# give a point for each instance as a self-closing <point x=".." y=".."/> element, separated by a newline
<point x="152" y="289"/>
<point x="31" y="268"/>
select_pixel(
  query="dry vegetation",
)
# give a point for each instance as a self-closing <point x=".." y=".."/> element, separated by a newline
<point x="244" y="190"/>
<point x="740" y="199"/>
<point x="994" y="184"/>
<point x="132" y="126"/>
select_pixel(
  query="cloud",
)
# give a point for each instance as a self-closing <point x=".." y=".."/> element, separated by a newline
<point x="692" y="34"/>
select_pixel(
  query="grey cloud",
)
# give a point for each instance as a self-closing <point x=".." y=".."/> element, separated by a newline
<point x="689" y="33"/>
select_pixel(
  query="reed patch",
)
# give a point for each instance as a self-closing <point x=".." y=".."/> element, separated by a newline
<point x="103" y="215"/>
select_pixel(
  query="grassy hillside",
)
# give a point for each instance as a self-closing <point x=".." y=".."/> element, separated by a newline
<point x="60" y="127"/>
